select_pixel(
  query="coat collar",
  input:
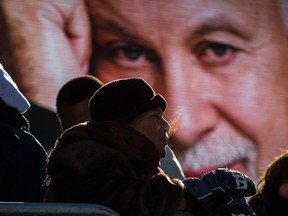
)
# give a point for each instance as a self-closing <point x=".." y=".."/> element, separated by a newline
<point x="117" y="135"/>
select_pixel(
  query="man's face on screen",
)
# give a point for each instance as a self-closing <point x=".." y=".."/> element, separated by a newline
<point x="220" y="64"/>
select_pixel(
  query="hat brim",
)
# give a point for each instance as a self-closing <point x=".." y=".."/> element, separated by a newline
<point x="157" y="101"/>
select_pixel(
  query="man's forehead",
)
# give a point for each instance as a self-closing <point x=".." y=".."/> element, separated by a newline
<point x="123" y="17"/>
<point x="141" y="6"/>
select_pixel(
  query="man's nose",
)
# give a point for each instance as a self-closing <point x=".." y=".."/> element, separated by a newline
<point x="191" y="101"/>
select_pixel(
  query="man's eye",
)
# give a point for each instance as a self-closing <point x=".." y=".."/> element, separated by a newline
<point x="219" y="49"/>
<point x="128" y="56"/>
<point x="212" y="53"/>
<point x="131" y="52"/>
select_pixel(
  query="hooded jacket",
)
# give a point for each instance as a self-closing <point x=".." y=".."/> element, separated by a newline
<point x="112" y="164"/>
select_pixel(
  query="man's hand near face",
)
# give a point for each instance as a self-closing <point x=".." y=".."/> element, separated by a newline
<point x="48" y="42"/>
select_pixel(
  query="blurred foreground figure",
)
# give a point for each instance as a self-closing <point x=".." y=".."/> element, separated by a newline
<point x="72" y="102"/>
<point x="22" y="157"/>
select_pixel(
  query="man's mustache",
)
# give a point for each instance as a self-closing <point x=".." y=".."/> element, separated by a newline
<point x="214" y="151"/>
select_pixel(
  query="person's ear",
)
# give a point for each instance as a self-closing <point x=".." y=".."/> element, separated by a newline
<point x="283" y="189"/>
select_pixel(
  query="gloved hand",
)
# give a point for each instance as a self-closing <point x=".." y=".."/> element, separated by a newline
<point x="237" y="206"/>
<point x="199" y="197"/>
<point x="220" y="192"/>
<point x="228" y="181"/>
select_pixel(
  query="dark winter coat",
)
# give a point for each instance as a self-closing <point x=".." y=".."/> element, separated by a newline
<point x="112" y="164"/>
<point x="22" y="159"/>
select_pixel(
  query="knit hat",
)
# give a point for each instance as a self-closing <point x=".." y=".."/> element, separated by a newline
<point x="10" y="93"/>
<point x="123" y="100"/>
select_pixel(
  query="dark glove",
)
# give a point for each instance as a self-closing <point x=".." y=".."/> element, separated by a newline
<point x="236" y="205"/>
<point x="220" y="192"/>
<point x="231" y="187"/>
<point x="228" y="181"/>
<point x="239" y="206"/>
<point x="199" y="197"/>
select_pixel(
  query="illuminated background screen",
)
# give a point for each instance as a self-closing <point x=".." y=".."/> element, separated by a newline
<point x="221" y="65"/>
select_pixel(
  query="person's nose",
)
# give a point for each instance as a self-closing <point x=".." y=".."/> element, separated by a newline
<point x="191" y="96"/>
<point x="165" y="125"/>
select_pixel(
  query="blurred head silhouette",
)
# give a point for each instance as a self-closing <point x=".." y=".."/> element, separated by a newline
<point x="73" y="99"/>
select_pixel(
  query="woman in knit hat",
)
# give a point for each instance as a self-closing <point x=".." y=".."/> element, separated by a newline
<point x="113" y="159"/>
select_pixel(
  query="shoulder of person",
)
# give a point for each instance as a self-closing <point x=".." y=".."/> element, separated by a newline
<point x="85" y="150"/>
<point x="86" y="158"/>
<point x="9" y="132"/>
<point x="11" y="137"/>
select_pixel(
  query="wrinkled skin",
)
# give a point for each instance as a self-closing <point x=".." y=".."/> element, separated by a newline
<point x="224" y="76"/>
<point x="47" y="45"/>
<point x="225" y="82"/>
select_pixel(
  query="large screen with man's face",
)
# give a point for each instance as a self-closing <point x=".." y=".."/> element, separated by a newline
<point x="221" y="66"/>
